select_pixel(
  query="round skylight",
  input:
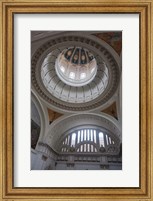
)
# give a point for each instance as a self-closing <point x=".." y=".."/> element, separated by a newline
<point x="76" y="66"/>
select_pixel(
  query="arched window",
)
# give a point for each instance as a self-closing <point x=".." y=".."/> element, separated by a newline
<point x="86" y="140"/>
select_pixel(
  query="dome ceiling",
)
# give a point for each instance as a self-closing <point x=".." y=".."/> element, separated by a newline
<point x="75" y="66"/>
<point x="74" y="73"/>
<point x="65" y="89"/>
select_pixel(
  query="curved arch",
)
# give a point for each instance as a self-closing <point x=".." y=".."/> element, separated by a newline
<point x="67" y="122"/>
<point x="42" y="114"/>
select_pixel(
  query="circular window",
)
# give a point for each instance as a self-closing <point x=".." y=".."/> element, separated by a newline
<point x="76" y="66"/>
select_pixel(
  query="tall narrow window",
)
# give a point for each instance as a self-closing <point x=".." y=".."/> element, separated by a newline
<point x="88" y="147"/>
<point x="88" y="135"/>
<point x="81" y="148"/>
<point x="91" y="134"/>
<point x="73" y="139"/>
<point x="68" y="140"/>
<point x="85" y="135"/>
<point x="81" y="135"/>
<point x="95" y="136"/>
<point x="101" y="139"/>
<point x="78" y="136"/>
<point x="107" y="139"/>
<point x="84" y="147"/>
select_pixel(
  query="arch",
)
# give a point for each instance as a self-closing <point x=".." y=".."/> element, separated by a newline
<point x="86" y="136"/>
<point x="42" y="113"/>
<point x="70" y="122"/>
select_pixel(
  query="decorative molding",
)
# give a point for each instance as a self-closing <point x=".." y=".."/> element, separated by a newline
<point x="66" y="41"/>
<point x="72" y="94"/>
<point x="61" y="126"/>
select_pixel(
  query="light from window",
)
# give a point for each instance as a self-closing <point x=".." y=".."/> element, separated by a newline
<point x="73" y="139"/>
<point x="85" y="135"/>
<point x="62" y="69"/>
<point x="83" y="75"/>
<point x="81" y="148"/>
<point x="66" y="140"/>
<point x="92" y="70"/>
<point x="81" y="135"/>
<point x="95" y="136"/>
<point x="88" y="135"/>
<point x="91" y="133"/>
<point x="107" y="139"/>
<point x="72" y="75"/>
<point x="101" y="139"/>
<point x="78" y="136"/>
<point x="88" y="147"/>
<point x="84" y="147"/>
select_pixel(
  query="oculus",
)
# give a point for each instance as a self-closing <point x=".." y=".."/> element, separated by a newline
<point x="76" y="66"/>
